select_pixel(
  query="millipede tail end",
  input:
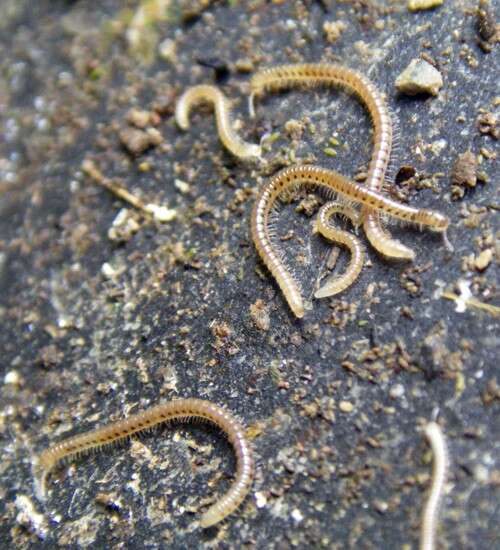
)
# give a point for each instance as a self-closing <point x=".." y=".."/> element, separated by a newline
<point x="447" y="244"/>
<point x="251" y="106"/>
<point x="40" y="475"/>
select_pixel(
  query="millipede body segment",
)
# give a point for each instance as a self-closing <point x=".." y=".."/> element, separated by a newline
<point x="213" y="95"/>
<point x="321" y="74"/>
<point x="335" y="285"/>
<point x="435" y="437"/>
<point x="330" y="183"/>
<point x="182" y="409"/>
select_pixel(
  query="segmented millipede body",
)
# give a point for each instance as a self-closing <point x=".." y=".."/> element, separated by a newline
<point x="335" y="285"/>
<point x="330" y="183"/>
<point x="213" y="95"/>
<point x="181" y="409"/>
<point x="436" y="439"/>
<point x="321" y="74"/>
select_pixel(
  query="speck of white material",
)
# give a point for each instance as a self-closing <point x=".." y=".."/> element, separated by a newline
<point x="108" y="270"/>
<point x="29" y="517"/>
<point x="161" y="213"/>
<point x="181" y="185"/>
<point x="489" y="459"/>
<point x="12" y="377"/>
<point x="135" y="483"/>
<point x="42" y="124"/>
<point x="481" y="474"/>
<point x="39" y="103"/>
<point x="297" y="515"/>
<point x="396" y="391"/>
<point x="465" y="295"/>
<point x="290" y="24"/>
<point x="65" y="78"/>
<point x="166" y="50"/>
<point x="438" y="146"/>
<point x="11" y="129"/>
<point x="438" y="293"/>
<point x="121" y="217"/>
<point x="260" y="499"/>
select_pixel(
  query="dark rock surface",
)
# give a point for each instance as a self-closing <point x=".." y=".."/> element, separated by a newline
<point x="98" y="324"/>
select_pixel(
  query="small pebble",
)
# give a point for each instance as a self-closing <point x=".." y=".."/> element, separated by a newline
<point x="420" y="77"/>
<point x="12" y="377"/>
<point x="333" y="30"/>
<point x="135" y="141"/>
<point x="124" y="226"/>
<point x="161" y="214"/>
<point x="244" y="65"/>
<point x="484" y="259"/>
<point x="396" y="391"/>
<point x="167" y="50"/>
<point x="486" y="24"/>
<point x="381" y="506"/>
<point x="464" y="170"/>
<point x="346" y="406"/>
<point x="182" y="186"/>
<point x="108" y="270"/>
<point x="420" y="5"/>
<point x="138" y="118"/>
<point x="260" y="499"/>
<point x="259" y="313"/>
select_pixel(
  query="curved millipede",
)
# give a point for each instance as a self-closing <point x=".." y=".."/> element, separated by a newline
<point x="435" y="437"/>
<point x="181" y="409"/>
<point x="213" y="95"/>
<point x="335" y="285"/>
<point x="330" y="183"/>
<point x="321" y="74"/>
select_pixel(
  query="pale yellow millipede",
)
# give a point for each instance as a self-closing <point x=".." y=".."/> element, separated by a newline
<point x="181" y="409"/>
<point x="205" y="93"/>
<point x="336" y="284"/>
<point x="321" y="74"/>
